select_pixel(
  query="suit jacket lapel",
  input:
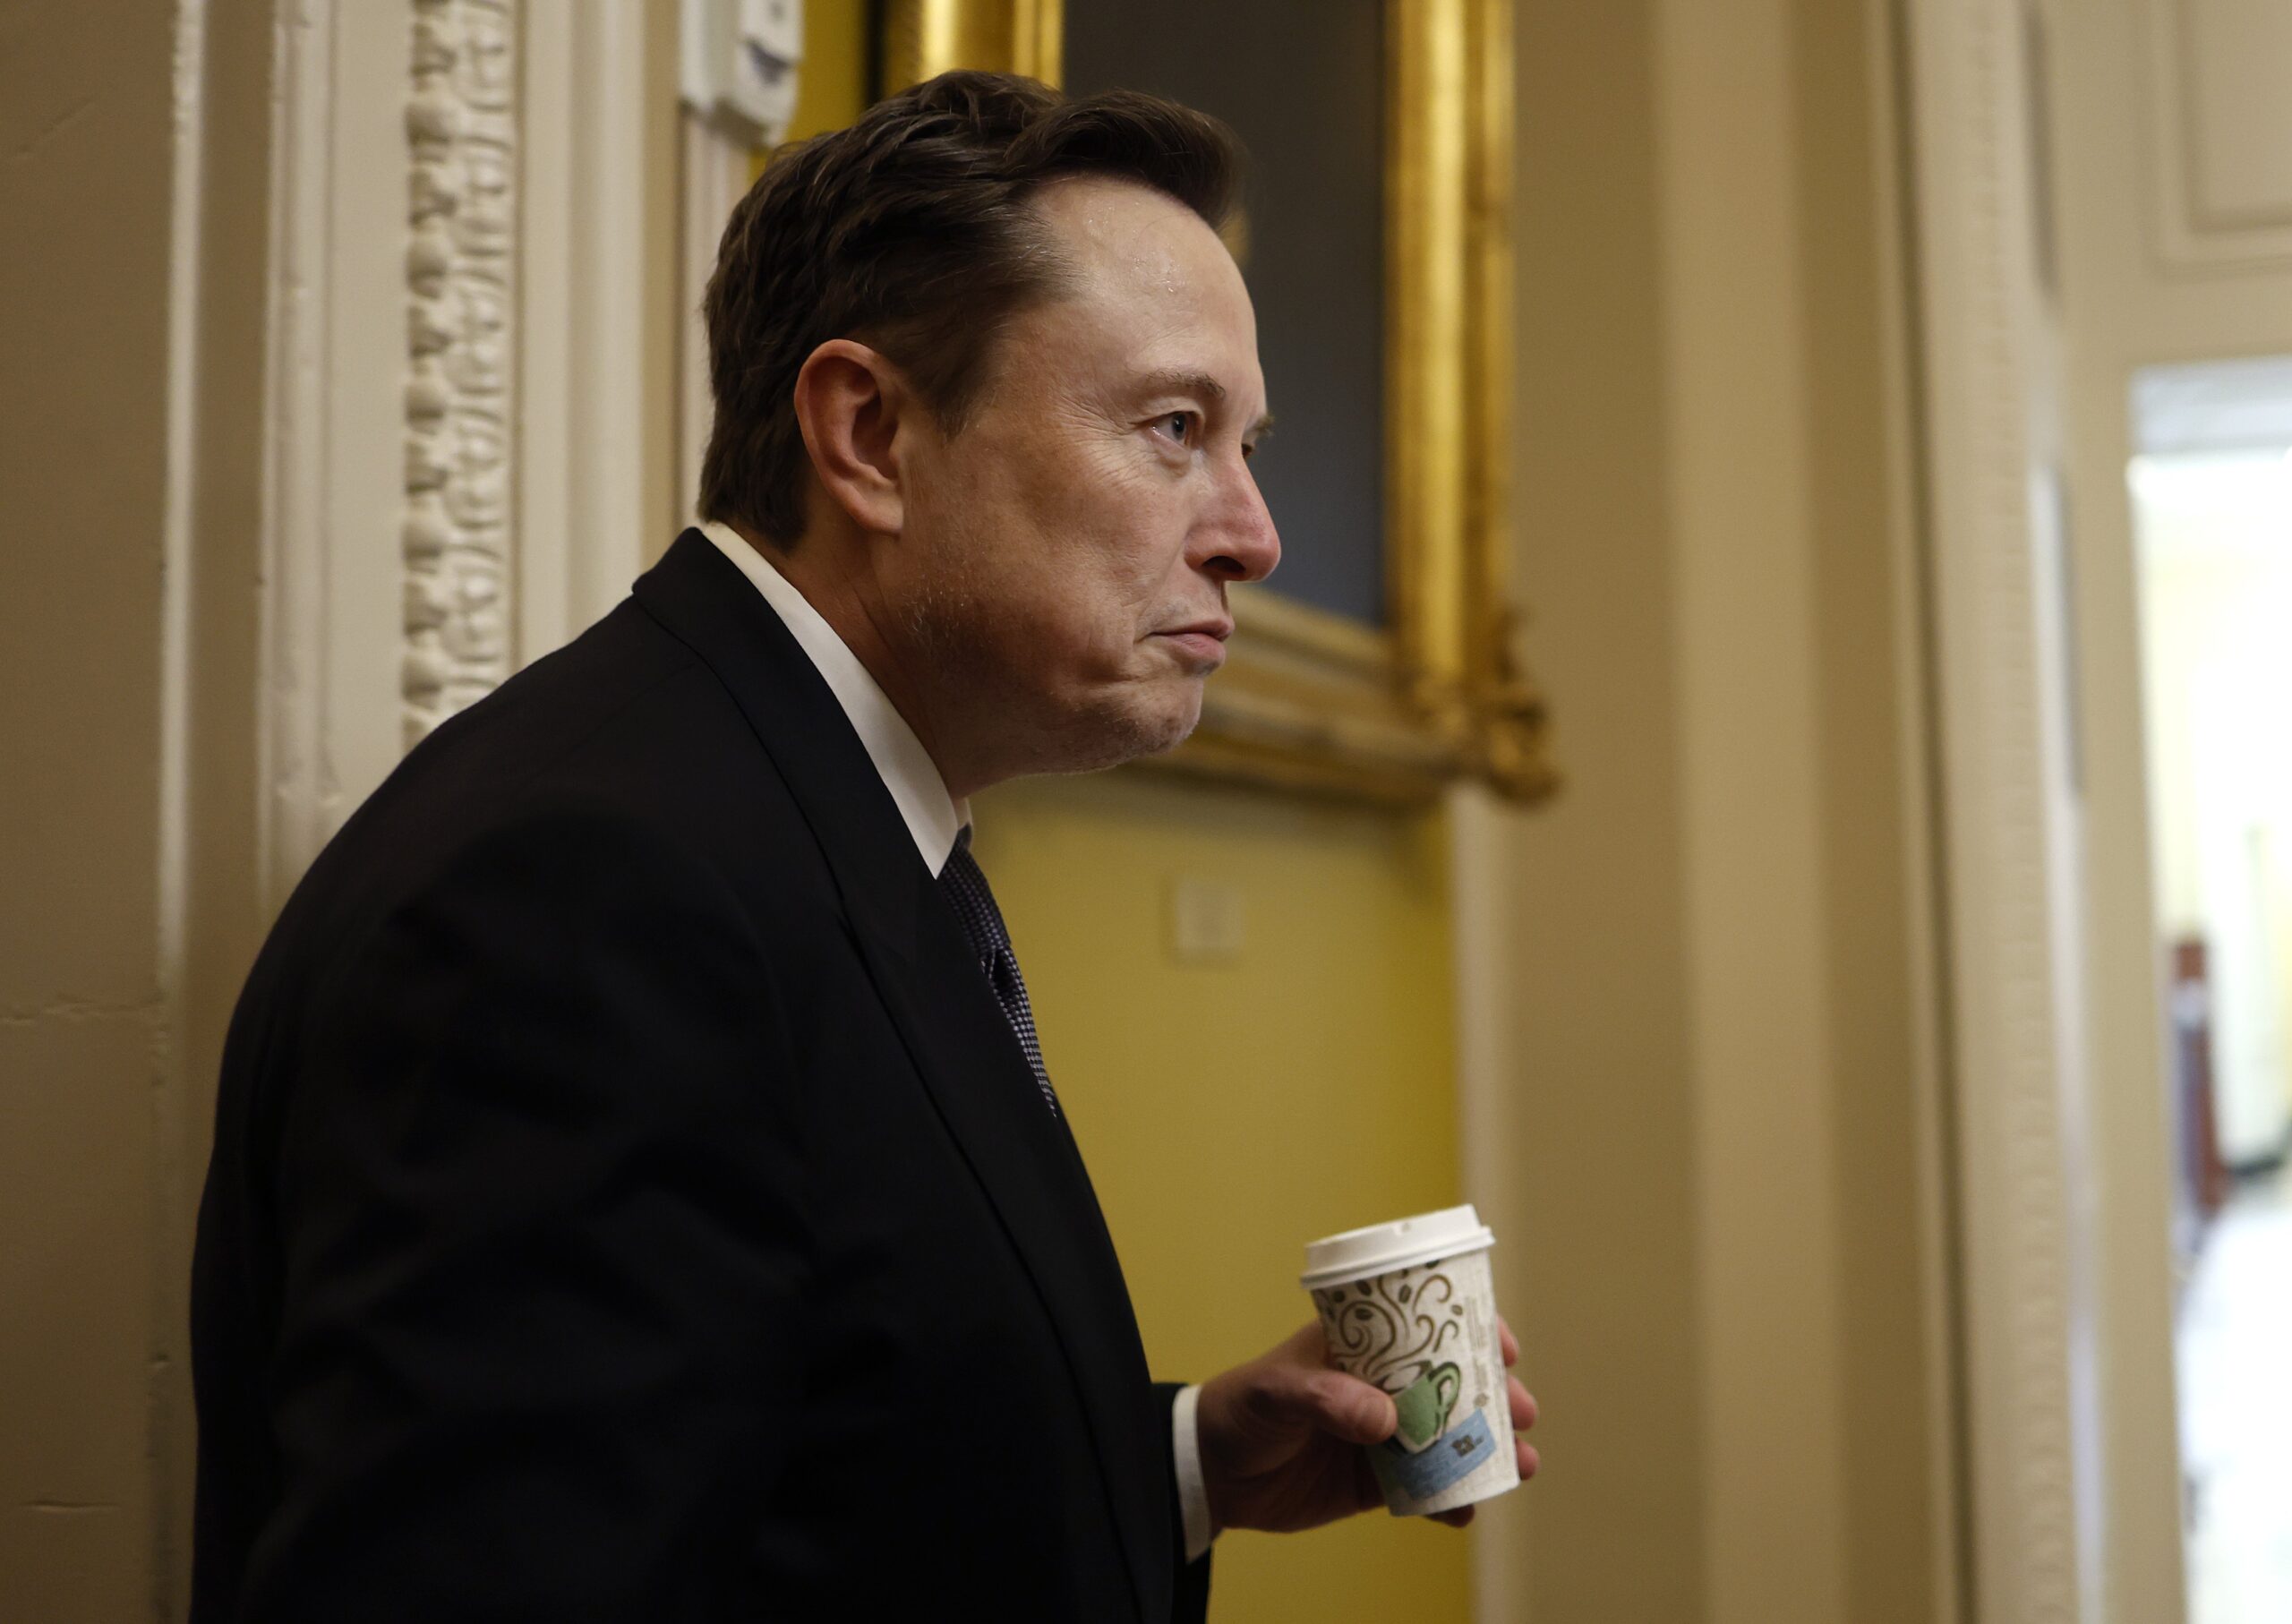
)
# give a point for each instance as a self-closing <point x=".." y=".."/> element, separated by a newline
<point x="924" y="970"/>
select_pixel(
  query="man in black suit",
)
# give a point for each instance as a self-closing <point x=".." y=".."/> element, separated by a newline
<point x="637" y="1193"/>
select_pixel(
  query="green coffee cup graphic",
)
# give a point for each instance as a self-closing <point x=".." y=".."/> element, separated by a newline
<point x="1425" y="1406"/>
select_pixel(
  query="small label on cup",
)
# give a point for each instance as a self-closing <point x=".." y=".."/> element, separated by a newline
<point x="1457" y="1453"/>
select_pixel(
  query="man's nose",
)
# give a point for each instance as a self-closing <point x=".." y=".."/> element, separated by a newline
<point x="1240" y="544"/>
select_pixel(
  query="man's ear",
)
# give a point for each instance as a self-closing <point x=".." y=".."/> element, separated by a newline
<point x="851" y="404"/>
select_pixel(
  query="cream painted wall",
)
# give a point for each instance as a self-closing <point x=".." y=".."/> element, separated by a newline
<point x="87" y="103"/>
<point x="131" y="469"/>
<point x="1601" y="1262"/>
<point x="1727" y="1123"/>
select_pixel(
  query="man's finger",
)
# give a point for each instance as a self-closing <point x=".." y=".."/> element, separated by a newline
<point x="1507" y="1342"/>
<point x="1524" y="1406"/>
<point x="1530" y="1462"/>
<point x="1457" y="1518"/>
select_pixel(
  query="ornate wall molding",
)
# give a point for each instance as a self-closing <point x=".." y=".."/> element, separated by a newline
<point x="460" y="392"/>
<point x="2008" y="820"/>
<point x="456" y="397"/>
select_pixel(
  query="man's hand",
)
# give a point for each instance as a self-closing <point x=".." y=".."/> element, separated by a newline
<point x="1281" y="1438"/>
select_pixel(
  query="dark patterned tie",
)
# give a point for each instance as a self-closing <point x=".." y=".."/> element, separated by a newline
<point x="982" y="922"/>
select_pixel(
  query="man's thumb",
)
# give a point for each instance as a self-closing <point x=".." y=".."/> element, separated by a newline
<point x="1353" y="1409"/>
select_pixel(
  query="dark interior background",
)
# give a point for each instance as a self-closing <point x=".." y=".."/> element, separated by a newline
<point x="1302" y="83"/>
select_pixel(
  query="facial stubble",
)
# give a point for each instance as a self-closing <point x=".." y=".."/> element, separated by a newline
<point x="978" y="649"/>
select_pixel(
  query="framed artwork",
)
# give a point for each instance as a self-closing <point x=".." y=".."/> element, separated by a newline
<point x="1375" y="237"/>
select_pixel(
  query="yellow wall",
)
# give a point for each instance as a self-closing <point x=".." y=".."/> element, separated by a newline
<point x="833" y="87"/>
<point x="1233" y="1112"/>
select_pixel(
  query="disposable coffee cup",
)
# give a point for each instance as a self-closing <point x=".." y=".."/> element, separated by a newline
<point x="1409" y="1307"/>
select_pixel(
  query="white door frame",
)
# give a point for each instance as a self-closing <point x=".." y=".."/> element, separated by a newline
<point x="2004" y="833"/>
<point x="2060" y="1425"/>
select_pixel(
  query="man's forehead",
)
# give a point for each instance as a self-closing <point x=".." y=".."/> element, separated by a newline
<point x="1137" y="243"/>
<point x="1151" y="280"/>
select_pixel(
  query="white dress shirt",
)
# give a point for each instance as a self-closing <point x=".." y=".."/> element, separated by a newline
<point x="935" y="818"/>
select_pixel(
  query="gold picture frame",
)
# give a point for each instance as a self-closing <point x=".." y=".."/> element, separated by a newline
<point x="1309" y="699"/>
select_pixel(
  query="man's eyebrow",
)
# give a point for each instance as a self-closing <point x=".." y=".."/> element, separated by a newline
<point x="1180" y="381"/>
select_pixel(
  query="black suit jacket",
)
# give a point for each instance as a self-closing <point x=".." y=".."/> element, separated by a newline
<point x="630" y="1203"/>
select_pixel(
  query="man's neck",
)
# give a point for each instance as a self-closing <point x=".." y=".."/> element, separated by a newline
<point x="847" y="598"/>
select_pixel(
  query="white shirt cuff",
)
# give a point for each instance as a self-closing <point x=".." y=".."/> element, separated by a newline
<point x="1193" y="1497"/>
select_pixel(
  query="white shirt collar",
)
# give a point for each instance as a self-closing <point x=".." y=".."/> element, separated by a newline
<point x="934" y="818"/>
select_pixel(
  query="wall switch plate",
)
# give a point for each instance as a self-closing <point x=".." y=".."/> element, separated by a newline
<point x="1205" y="920"/>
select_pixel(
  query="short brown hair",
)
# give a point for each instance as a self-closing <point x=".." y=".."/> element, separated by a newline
<point x="910" y="231"/>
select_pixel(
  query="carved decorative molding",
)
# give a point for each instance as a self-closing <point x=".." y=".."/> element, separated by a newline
<point x="460" y="392"/>
<point x="2010" y="850"/>
<point x="2019" y="1067"/>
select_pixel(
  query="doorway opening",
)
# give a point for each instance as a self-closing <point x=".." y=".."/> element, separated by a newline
<point x="2211" y="497"/>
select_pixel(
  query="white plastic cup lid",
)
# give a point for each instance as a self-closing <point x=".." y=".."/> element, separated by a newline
<point x="1402" y="1243"/>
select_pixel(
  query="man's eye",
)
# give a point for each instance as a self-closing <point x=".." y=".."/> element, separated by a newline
<point x="1179" y="425"/>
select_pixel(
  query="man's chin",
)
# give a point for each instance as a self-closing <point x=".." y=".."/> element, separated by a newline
<point x="1107" y="740"/>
